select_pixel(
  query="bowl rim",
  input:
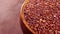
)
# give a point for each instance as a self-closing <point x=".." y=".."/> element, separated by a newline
<point x="22" y="16"/>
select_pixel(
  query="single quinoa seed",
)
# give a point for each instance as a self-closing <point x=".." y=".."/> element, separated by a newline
<point x="43" y="16"/>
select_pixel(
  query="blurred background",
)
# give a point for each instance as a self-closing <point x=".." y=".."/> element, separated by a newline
<point x="9" y="17"/>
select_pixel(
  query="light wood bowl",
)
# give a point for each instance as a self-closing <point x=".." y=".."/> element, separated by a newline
<point x="22" y="16"/>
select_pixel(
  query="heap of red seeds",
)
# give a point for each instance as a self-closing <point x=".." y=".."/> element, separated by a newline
<point x="43" y="16"/>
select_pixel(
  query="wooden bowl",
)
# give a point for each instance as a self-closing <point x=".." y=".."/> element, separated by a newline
<point x="47" y="16"/>
<point x="22" y="16"/>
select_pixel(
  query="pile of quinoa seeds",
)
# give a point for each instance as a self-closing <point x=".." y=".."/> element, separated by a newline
<point x="43" y="16"/>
